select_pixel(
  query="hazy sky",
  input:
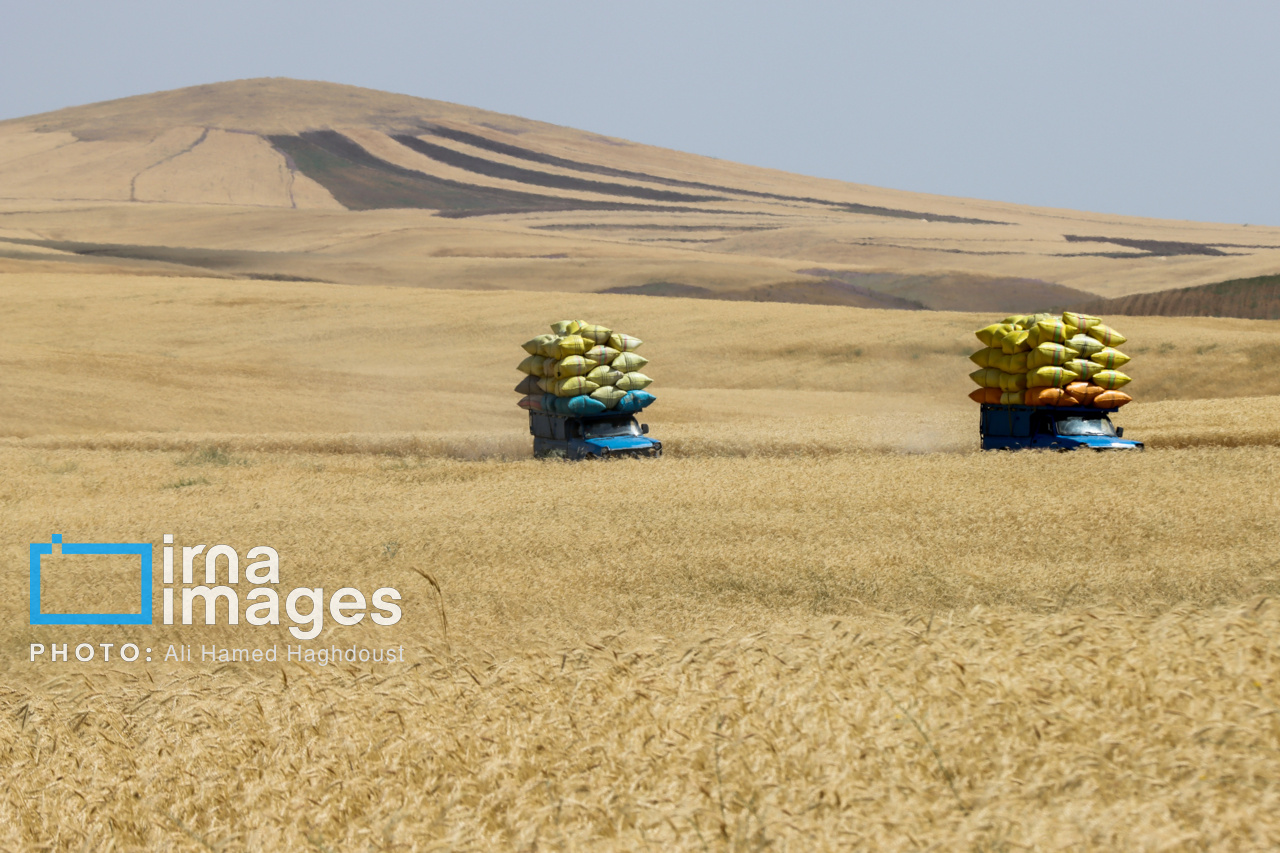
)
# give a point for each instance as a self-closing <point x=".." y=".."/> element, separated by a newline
<point x="1165" y="109"/>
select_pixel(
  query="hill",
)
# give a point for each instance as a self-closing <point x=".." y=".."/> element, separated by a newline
<point x="287" y="179"/>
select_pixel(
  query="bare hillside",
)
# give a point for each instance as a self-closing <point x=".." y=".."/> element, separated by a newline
<point x="289" y="179"/>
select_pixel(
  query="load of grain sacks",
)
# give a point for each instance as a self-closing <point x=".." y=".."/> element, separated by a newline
<point x="1050" y="360"/>
<point x="583" y="369"/>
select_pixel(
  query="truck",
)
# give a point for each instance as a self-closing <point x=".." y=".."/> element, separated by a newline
<point x="1051" y="428"/>
<point x="604" y="436"/>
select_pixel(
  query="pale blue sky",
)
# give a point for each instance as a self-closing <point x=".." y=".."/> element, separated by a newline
<point x="1164" y="109"/>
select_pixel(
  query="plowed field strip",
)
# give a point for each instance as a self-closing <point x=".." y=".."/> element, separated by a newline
<point x="493" y="169"/>
<point x="361" y="181"/>
<point x="478" y="141"/>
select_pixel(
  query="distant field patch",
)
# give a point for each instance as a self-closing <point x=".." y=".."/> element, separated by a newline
<point x="962" y="291"/>
<point x="824" y="292"/>
<point x="1247" y="298"/>
<point x="1161" y="248"/>
<point x="647" y="226"/>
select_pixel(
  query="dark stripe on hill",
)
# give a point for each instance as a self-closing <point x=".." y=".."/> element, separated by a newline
<point x="601" y="205"/>
<point x="477" y="141"/>
<point x="962" y="291"/>
<point x="1165" y="248"/>
<point x="209" y="259"/>
<point x="1247" y="298"/>
<point x="361" y="181"/>
<point x="824" y="292"/>
<point x="648" y="226"/>
<point x="480" y="166"/>
<point x="200" y="261"/>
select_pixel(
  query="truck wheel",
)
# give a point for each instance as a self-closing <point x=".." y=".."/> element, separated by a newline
<point x="604" y="455"/>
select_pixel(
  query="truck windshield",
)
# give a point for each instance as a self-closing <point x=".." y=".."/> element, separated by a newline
<point x="611" y="427"/>
<point x="1086" y="426"/>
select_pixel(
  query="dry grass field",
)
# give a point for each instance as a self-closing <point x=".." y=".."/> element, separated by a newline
<point x="281" y="313"/>
<point x="823" y="621"/>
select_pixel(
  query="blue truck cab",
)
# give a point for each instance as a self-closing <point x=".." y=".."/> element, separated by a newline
<point x="604" y="436"/>
<point x="1051" y="428"/>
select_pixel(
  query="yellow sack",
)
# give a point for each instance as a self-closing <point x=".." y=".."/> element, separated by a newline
<point x="1107" y="335"/>
<point x="1084" y="368"/>
<point x="1013" y="381"/>
<point x="545" y="385"/>
<point x="575" y="365"/>
<point x="1047" y="332"/>
<point x="1084" y="345"/>
<point x="992" y="335"/>
<point x="624" y="343"/>
<point x="1019" y="362"/>
<point x="1050" y="377"/>
<point x="549" y="366"/>
<point x="595" y="334"/>
<point x="1110" y="358"/>
<point x="986" y="357"/>
<point x="601" y="354"/>
<point x="1112" y="380"/>
<point x="534" y="346"/>
<point x="575" y="385"/>
<point x="609" y="396"/>
<point x="566" y="327"/>
<point x="1079" y="321"/>
<point x="532" y="365"/>
<point x="987" y="377"/>
<point x="1049" y="354"/>
<point x="1018" y="321"/>
<point x="628" y="362"/>
<point x="1015" y="342"/>
<point x="1012" y="398"/>
<point x="634" y="382"/>
<point x="605" y="375"/>
<point x="571" y="345"/>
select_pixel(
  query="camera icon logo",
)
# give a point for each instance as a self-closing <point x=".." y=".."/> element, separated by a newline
<point x="141" y="550"/>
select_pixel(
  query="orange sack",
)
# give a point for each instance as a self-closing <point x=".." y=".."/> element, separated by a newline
<point x="1085" y="392"/>
<point x="985" y="395"/>
<point x="1068" y="399"/>
<point x="1111" y="400"/>
<point x="1044" y="396"/>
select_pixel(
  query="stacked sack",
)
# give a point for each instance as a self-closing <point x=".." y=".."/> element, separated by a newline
<point x="583" y="369"/>
<point x="1050" y="360"/>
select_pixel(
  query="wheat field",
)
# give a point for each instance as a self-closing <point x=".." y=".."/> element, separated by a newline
<point x="823" y="621"/>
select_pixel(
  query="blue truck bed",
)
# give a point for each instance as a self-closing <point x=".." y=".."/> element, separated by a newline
<point x="603" y="436"/>
<point x="1050" y="428"/>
